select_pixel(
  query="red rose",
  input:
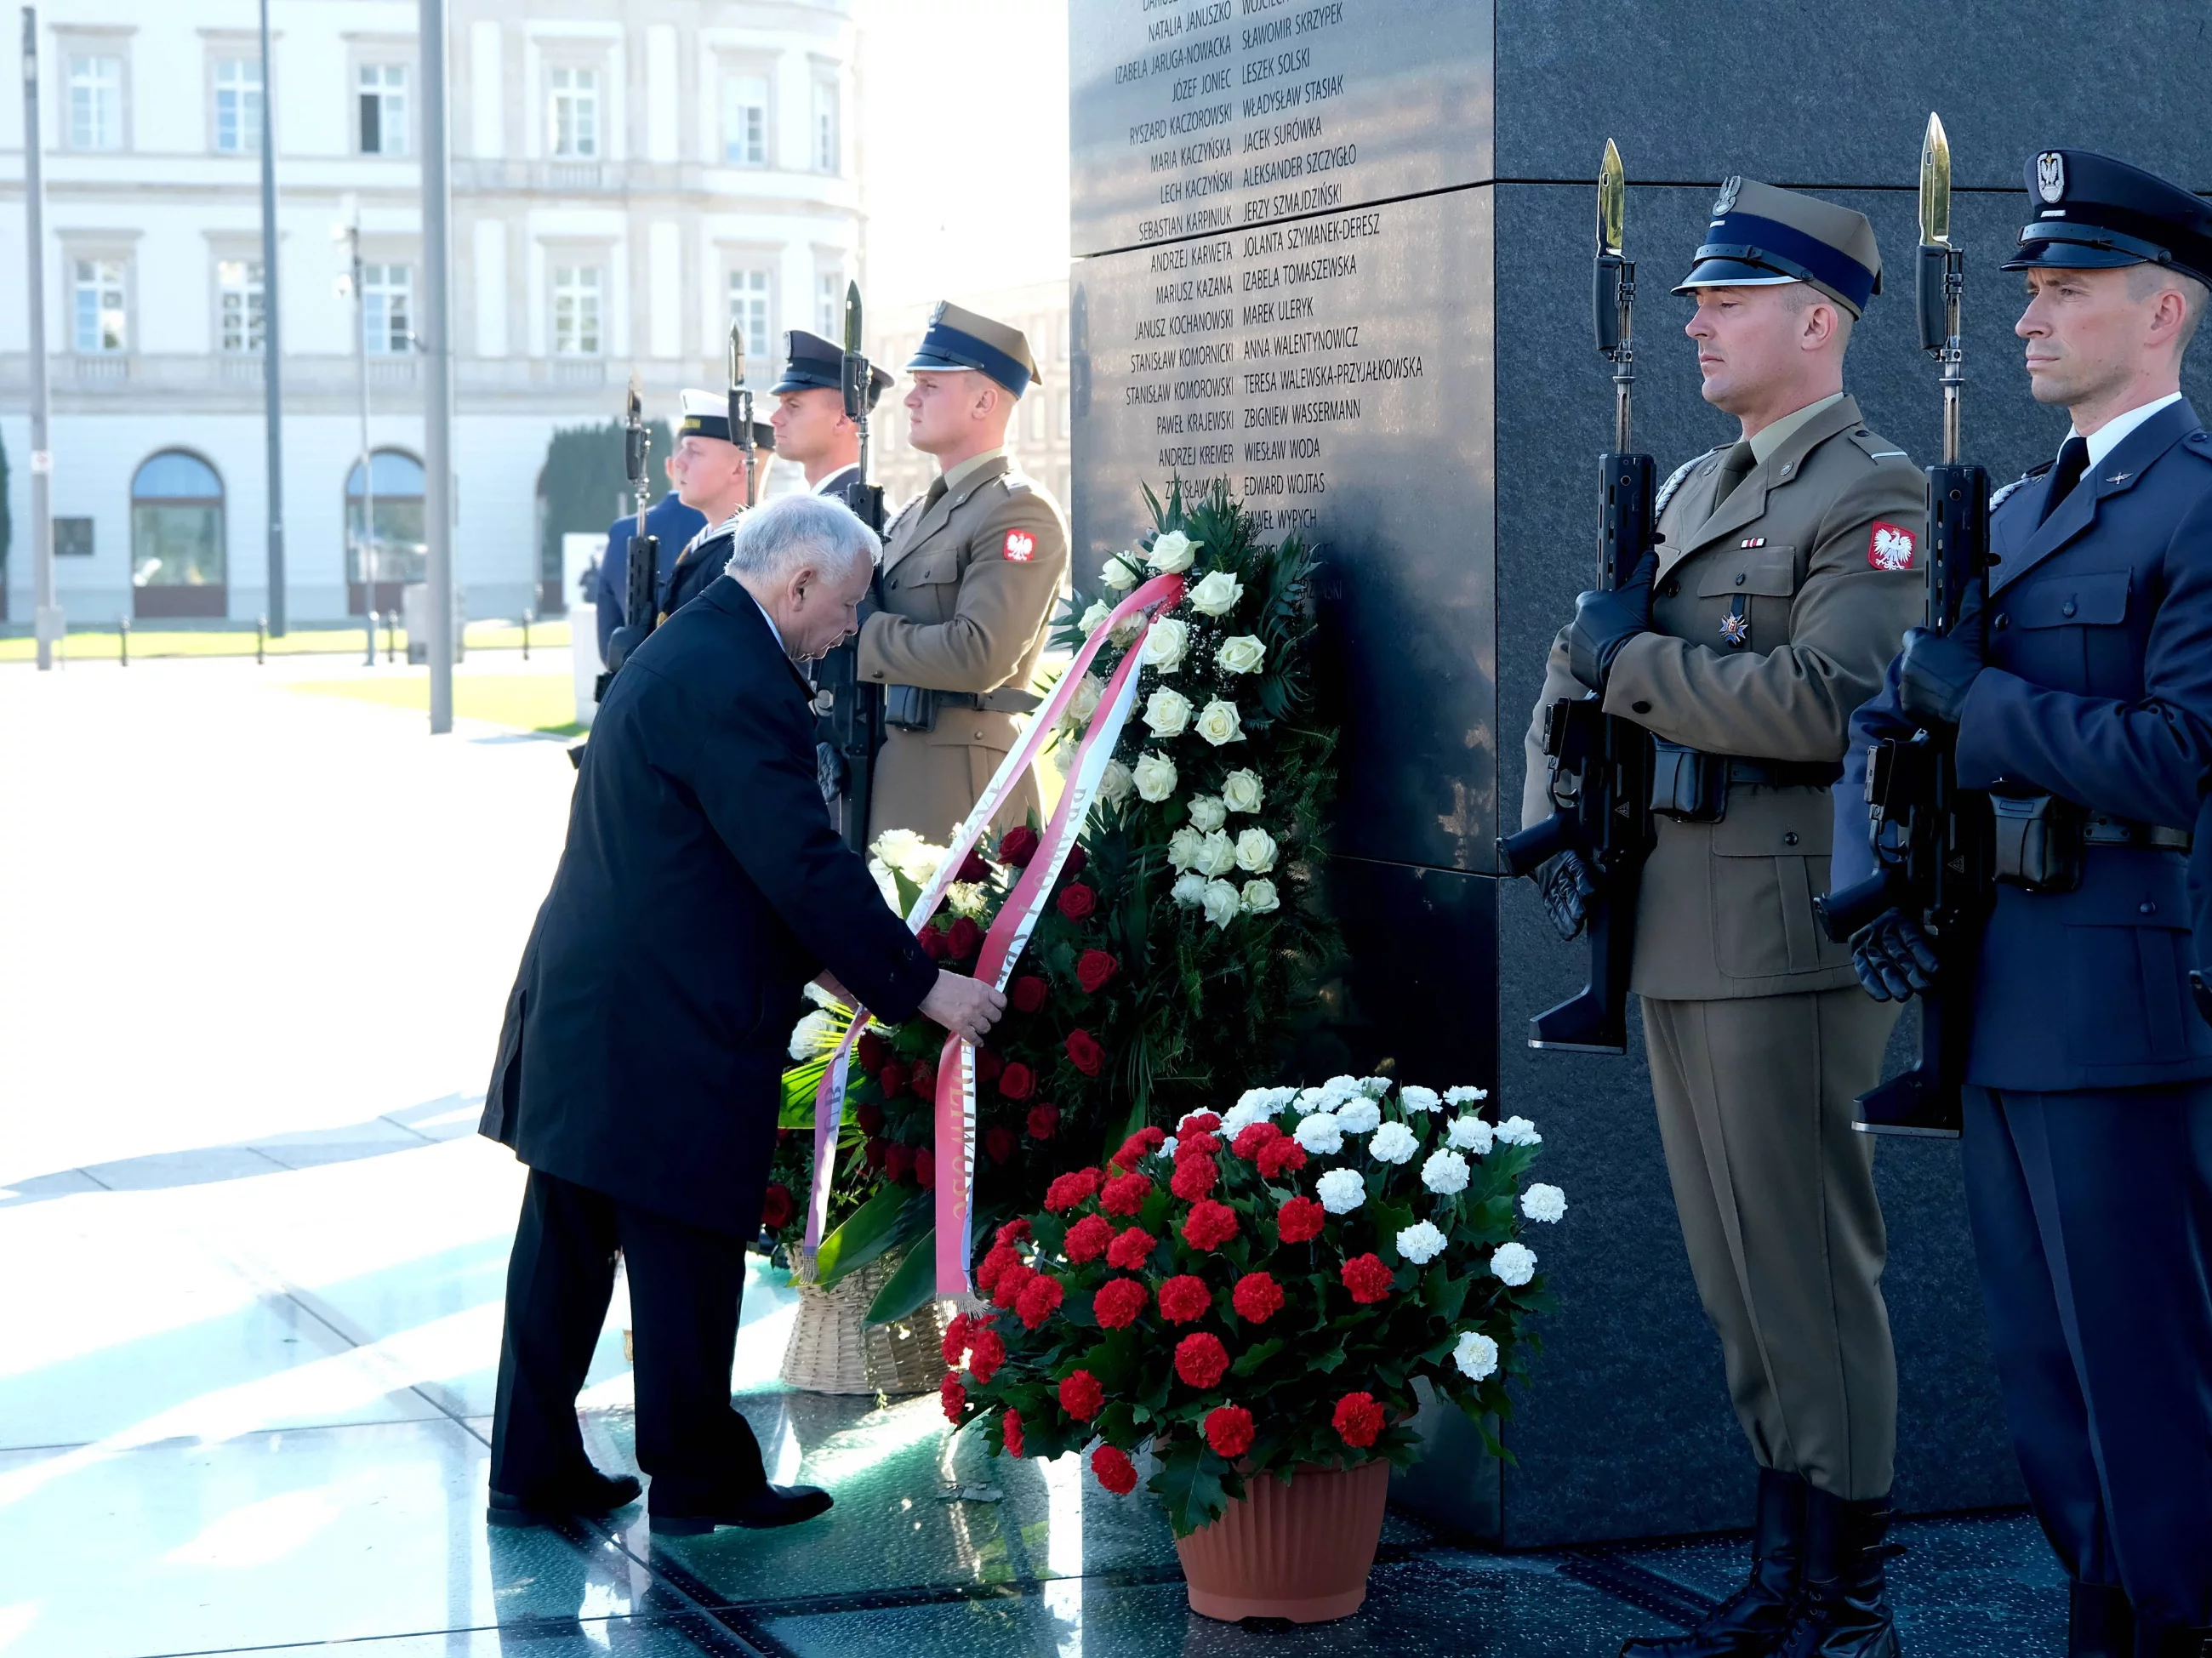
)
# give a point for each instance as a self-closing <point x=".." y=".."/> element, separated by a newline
<point x="1018" y="1081"/>
<point x="1077" y="859"/>
<point x="1080" y="1396"/>
<point x="1196" y="1143"/>
<point x="925" y="1080"/>
<point x="1011" y="1282"/>
<point x="1077" y="900"/>
<point x="1044" y="1121"/>
<point x="1013" y="1230"/>
<point x="1253" y="1137"/>
<point x="1209" y="1225"/>
<point x="925" y="1169"/>
<point x="898" y="1162"/>
<point x="974" y="867"/>
<point x="1228" y="1430"/>
<point x="1070" y="1189"/>
<point x="1114" y="1470"/>
<point x="1184" y="1298"/>
<point x="1087" y="1239"/>
<point x="989" y="1065"/>
<point x="1027" y="993"/>
<point x="1194" y="1178"/>
<point x="986" y="1350"/>
<point x="1299" y="1219"/>
<point x="996" y="1259"/>
<point x="870" y="1116"/>
<point x="1018" y="846"/>
<point x="1039" y="1299"/>
<point x="999" y="1142"/>
<point x="1200" y="1123"/>
<point x="1368" y="1279"/>
<point x="893" y="1078"/>
<point x="1124" y="1194"/>
<point x="1135" y="1148"/>
<point x="1132" y="1249"/>
<point x="1084" y="1053"/>
<point x="932" y="942"/>
<point x="1094" y="967"/>
<point x="871" y="1051"/>
<point x="1257" y="1297"/>
<point x="1118" y="1303"/>
<point x="1278" y="1155"/>
<point x="1199" y="1359"/>
<point x="1358" y="1418"/>
<point x="878" y="1152"/>
<point x="954" y="1397"/>
<point x="776" y="1205"/>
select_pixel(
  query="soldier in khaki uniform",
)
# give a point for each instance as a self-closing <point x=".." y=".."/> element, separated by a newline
<point x="1790" y="565"/>
<point x="969" y="578"/>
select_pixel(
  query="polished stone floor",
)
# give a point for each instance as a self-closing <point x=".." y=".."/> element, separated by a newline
<point x="258" y="945"/>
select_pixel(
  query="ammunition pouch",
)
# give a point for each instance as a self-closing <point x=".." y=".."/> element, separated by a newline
<point x="1693" y="786"/>
<point x="915" y="707"/>
<point x="2041" y="839"/>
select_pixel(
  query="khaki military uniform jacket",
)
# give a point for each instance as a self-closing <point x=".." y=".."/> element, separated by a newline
<point x="967" y="588"/>
<point x="1806" y="555"/>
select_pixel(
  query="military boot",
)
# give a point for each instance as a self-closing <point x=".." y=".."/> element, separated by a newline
<point x="1842" y="1613"/>
<point x="1751" y="1622"/>
<point x="2100" y="1622"/>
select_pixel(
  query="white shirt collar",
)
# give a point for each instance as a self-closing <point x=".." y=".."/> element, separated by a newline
<point x="829" y="479"/>
<point x="2109" y="436"/>
<point x="770" y="620"/>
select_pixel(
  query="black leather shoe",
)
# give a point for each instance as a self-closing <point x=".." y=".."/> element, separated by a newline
<point x="1751" y="1622"/>
<point x="588" y="1496"/>
<point x="1843" y="1612"/>
<point x="2100" y="1622"/>
<point x="768" y="1506"/>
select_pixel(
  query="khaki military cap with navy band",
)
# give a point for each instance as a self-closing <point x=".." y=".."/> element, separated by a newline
<point x="707" y="414"/>
<point x="960" y="339"/>
<point x="1760" y="236"/>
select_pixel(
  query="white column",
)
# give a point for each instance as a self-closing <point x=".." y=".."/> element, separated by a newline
<point x="663" y="95"/>
<point x="491" y="301"/>
<point x="487" y="129"/>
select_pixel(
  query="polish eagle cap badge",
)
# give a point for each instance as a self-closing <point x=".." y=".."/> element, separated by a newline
<point x="2050" y="176"/>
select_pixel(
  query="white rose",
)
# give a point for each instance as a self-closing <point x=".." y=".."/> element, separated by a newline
<point x="1476" y="1355"/>
<point x="1392" y="1143"/>
<point x="1154" y="775"/>
<point x="1256" y="851"/>
<point x="1165" y="644"/>
<point x="1340" y="1191"/>
<point x="1182" y="848"/>
<point x="1445" y="1173"/>
<point x="1544" y="1203"/>
<point x="1088" y="695"/>
<point x="1465" y="1096"/>
<point x="1189" y="889"/>
<point x="1515" y="1264"/>
<point x="1241" y="791"/>
<point x="1471" y="1134"/>
<point x="1217" y="854"/>
<point x="1259" y="897"/>
<point x="818" y="1032"/>
<point x="1421" y="1242"/>
<point x="1220" y="903"/>
<point x="1171" y="552"/>
<point x="1320" y="1133"/>
<point x="1207" y="813"/>
<point x="893" y="845"/>
<point x="1115" y="783"/>
<point x="1168" y="712"/>
<point x="1117" y="574"/>
<point x="1414" y="1097"/>
<point x="1359" y="1114"/>
<point x="1217" y="595"/>
<point x="1218" y="723"/>
<point x="1241" y="654"/>
<point x="1094" y="618"/>
<point x="919" y="862"/>
<point x="1519" y="1131"/>
<point x="1125" y="630"/>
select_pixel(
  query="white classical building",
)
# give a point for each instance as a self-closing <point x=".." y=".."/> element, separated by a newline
<point x="629" y="177"/>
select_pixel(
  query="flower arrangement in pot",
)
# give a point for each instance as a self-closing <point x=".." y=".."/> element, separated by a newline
<point x="1249" y="1303"/>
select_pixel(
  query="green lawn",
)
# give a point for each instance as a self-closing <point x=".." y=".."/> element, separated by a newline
<point x="104" y="644"/>
<point x="530" y="703"/>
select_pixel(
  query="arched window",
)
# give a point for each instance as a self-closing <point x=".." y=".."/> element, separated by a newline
<point x="391" y="505"/>
<point x="177" y="541"/>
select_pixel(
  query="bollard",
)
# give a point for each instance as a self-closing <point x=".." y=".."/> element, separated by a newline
<point x="369" y="661"/>
<point x="260" y="642"/>
<point x="123" y="639"/>
<point x="391" y="634"/>
<point x="527" y="616"/>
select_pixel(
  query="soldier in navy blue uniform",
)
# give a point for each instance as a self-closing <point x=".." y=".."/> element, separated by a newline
<point x="669" y="522"/>
<point x="710" y="475"/>
<point x="811" y="430"/>
<point x="2082" y="695"/>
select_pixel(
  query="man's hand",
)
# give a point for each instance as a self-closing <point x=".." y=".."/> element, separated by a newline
<point x="827" y="980"/>
<point x="1568" y="885"/>
<point x="1894" y="957"/>
<point x="1604" y="621"/>
<point x="967" y="1007"/>
<point x="1939" y="669"/>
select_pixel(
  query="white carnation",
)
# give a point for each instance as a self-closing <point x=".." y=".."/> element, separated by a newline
<point x="1476" y="1355"/>
<point x="1154" y="775"/>
<point x="1167" y="711"/>
<point x="1182" y="848"/>
<point x="1217" y="854"/>
<point x="1219" y="723"/>
<point x="1165" y="644"/>
<point x="1167" y="1147"/>
<point x="1421" y="1242"/>
<point x="1241" y="791"/>
<point x="1374" y="1087"/>
<point x="1115" y="785"/>
<point x="1088" y="695"/>
<point x="1171" y="552"/>
<point x="1256" y="851"/>
<point x="1515" y="1264"/>
<point x="1359" y="1114"/>
<point x="1343" y="1087"/>
<point x="1094" y="618"/>
<point x="1320" y="1133"/>
<point x="1311" y="1099"/>
<point x="1189" y="889"/>
<point x="1471" y="1133"/>
<point x="1243" y="1114"/>
<point x="1519" y="1131"/>
<point x="1465" y="1096"/>
<point x="1414" y="1097"/>
<point x="1207" y="813"/>
<point x="1241" y="654"/>
<point x="1221" y="903"/>
<point x="1259" y="897"/>
<point x="1259" y="1099"/>
<point x="1340" y="1191"/>
<point x="1117" y="574"/>
<point x="1217" y="595"/>
<point x="1392" y="1143"/>
<point x="1445" y="1172"/>
<point x="1544" y="1203"/>
<point x="817" y="1032"/>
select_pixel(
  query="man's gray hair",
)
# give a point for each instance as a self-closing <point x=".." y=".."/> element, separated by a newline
<point x="777" y="538"/>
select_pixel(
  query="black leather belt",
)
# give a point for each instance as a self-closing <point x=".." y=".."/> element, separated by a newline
<point x="1784" y="773"/>
<point x="2103" y="831"/>
<point x="991" y="701"/>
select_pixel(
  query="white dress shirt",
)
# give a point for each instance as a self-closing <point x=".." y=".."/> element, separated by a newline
<point x="2107" y="437"/>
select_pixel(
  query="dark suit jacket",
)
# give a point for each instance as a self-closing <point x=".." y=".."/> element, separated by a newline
<point x="669" y="519"/>
<point x="701" y="888"/>
<point x="692" y="569"/>
<point x="2098" y="689"/>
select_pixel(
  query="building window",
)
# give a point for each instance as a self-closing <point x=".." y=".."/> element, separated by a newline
<point x="387" y="309"/>
<point x="829" y="306"/>
<point x="72" y="537"/>
<point x="102" y="322"/>
<point x="576" y="310"/>
<point x="828" y="154"/>
<point x="382" y="100"/>
<point x="575" y="113"/>
<point x="239" y="320"/>
<point x="1035" y="418"/>
<point x="745" y="120"/>
<point x="394" y="552"/>
<point x="749" y="309"/>
<point x="95" y="102"/>
<point x="177" y="536"/>
<point x="238" y="106"/>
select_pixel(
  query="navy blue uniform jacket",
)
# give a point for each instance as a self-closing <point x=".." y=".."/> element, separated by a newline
<point x="701" y="888"/>
<point x="673" y="523"/>
<point x="2098" y="689"/>
<point x="690" y="572"/>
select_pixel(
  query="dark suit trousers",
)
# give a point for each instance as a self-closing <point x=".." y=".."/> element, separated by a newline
<point x="2091" y="1217"/>
<point x="684" y="1286"/>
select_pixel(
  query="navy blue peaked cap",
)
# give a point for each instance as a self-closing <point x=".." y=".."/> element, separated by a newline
<point x="2093" y="212"/>
<point x="811" y="363"/>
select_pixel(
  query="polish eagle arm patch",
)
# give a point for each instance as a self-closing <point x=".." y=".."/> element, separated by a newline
<point x="1891" y="546"/>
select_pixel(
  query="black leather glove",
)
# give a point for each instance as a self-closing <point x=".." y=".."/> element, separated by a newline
<point x="1604" y="621"/>
<point x="1937" y="671"/>
<point x="1568" y="885"/>
<point x="1894" y="957"/>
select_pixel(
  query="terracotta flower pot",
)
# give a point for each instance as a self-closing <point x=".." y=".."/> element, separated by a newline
<point x="1301" y="1552"/>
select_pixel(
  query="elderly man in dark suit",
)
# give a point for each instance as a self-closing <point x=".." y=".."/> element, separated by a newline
<point x="701" y="889"/>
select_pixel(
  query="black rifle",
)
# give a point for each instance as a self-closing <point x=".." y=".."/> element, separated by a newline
<point x="1602" y="763"/>
<point x="854" y="719"/>
<point x="1932" y="838"/>
<point x="640" y="575"/>
<point x="741" y="411"/>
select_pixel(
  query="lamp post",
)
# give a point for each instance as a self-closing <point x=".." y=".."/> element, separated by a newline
<point x="272" y="379"/>
<point x="438" y="344"/>
<point x="49" y="615"/>
<point x="348" y="231"/>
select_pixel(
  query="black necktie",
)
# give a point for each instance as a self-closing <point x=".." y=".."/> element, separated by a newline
<point x="2073" y="461"/>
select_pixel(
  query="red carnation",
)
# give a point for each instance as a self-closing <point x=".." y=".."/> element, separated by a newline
<point x="1132" y="1249"/>
<point x="954" y="1397"/>
<point x="1039" y="1299"/>
<point x="1200" y="1358"/>
<point x="974" y="867"/>
<point x="1124" y="1194"/>
<point x="878" y="1152"/>
<point x="986" y="1350"/>
<point x="1080" y="1396"/>
<point x="955" y="1340"/>
<point x="1257" y="1297"/>
<point x="925" y="1169"/>
<point x="776" y="1205"/>
<point x="925" y="1080"/>
<point x="1278" y="1155"/>
<point x="1299" y="1219"/>
<point x="1184" y="1298"/>
<point x="1199" y="1122"/>
<point x="1027" y="993"/>
<point x="1196" y="1143"/>
<point x="1077" y="859"/>
<point x="1078" y="1187"/>
<point x="786" y="1136"/>
<point x="932" y="942"/>
<point x="1077" y="900"/>
<point x="1114" y="1470"/>
<point x="1093" y="969"/>
<point x="1013" y="1230"/>
<point x="898" y="1162"/>
<point x="1118" y="1303"/>
<point x="1358" y="1418"/>
<point x="1194" y="1178"/>
<point x="1368" y="1279"/>
<point x="893" y="1078"/>
<point x="1087" y="1239"/>
<point x="1011" y="1282"/>
<point x="1209" y="1225"/>
<point x="999" y="1142"/>
<point x="990" y="1064"/>
<point x="1228" y="1430"/>
<point x="870" y="1116"/>
<point x="1018" y="1081"/>
<point x="1252" y="1138"/>
<point x="996" y="1259"/>
<point x="1044" y="1121"/>
<point x="1018" y="846"/>
<point x="1134" y="1149"/>
<point x="1084" y="1053"/>
<point x="872" y="1050"/>
<point x="1010" y="1424"/>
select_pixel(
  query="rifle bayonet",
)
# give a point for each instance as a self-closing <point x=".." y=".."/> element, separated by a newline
<point x="741" y="409"/>
<point x="1614" y="294"/>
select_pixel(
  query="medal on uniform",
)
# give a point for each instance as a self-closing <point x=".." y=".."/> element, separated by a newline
<point x="1735" y="626"/>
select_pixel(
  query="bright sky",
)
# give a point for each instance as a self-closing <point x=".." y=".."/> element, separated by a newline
<point x="963" y="145"/>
